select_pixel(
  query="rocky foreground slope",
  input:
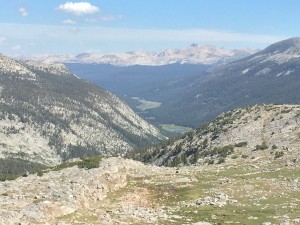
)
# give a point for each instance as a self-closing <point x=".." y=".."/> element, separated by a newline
<point x="48" y="115"/>
<point x="244" y="169"/>
<point x="128" y="192"/>
<point x="250" y="134"/>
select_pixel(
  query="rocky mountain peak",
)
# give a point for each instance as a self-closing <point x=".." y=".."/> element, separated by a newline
<point x="288" y="46"/>
<point x="29" y="69"/>
<point x="279" y="59"/>
<point x="58" y="69"/>
<point x="11" y="66"/>
<point x="281" y="52"/>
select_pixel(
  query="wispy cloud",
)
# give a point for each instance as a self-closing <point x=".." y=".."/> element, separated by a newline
<point x="62" y="39"/>
<point x="69" y="22"/>
<point x="108" y="18"/>
<point x="91" y="20"/>
<point x="78" y="8"/>
<point x="16" y="47"/>
<point x="23" y="12"/>
<point x="2" y="40"/>
<point x="189" y="35"/>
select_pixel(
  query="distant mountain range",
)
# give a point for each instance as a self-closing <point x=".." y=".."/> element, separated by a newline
<point x="191" y="95"/>
<point x="193" y="54"/>
<point x="48" y="115"/>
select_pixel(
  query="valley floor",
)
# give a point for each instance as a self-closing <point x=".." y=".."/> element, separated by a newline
<point x="123" y="191"/>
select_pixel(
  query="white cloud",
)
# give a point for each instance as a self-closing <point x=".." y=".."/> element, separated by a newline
<point x="23" y="12"/>
<point x="78" y="8"/>
<point x="16" y="47"/>
<point x="69" y="22"/>
<point x="2" y="40"/>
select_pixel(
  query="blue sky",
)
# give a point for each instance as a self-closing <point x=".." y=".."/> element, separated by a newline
<point x="30" y="27"/>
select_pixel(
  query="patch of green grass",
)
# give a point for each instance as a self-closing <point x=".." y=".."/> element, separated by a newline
<point x="265" y="210"/>
<point x="175" y="128"/>
<point x="81" y="217"/>
<point x="244" y="156"/>
<point x="64" y="166"/>
<point x="241" y="144"/>
<point x="228" y="214"/>
<point x="87" y="163"/>
<point x="4" y="177"/>
<point x="263" y="146"/>
<point x="234" y="156"/>
<point x="90" y="163"/>
<point x="278" y="154"/>
<point x="36" y="201"/>
<point x="250" y="208"/>
<point x="145" y="105"/>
